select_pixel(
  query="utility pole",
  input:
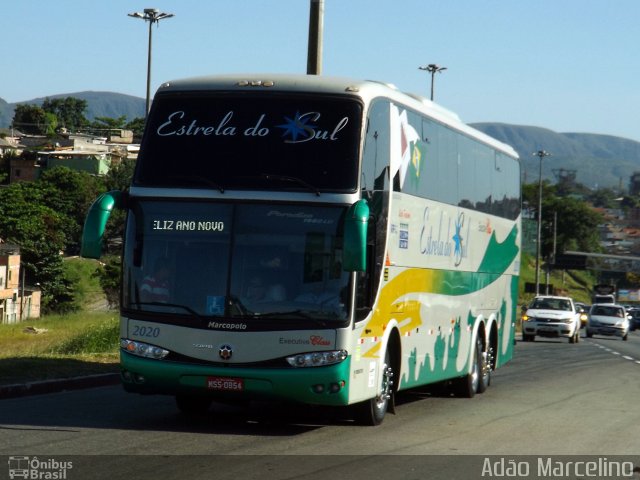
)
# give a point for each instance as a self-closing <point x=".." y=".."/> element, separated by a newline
<point x="540" y="154"/>
<point x="22" y="304"/>
<point x="316" y="21"/>
<point x="552" y="259"/>
<point x="432" y="68"/>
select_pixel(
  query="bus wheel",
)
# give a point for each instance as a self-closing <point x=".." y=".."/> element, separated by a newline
<point x="193" y="405"/>
<point x="371" y="412"/>
<point x="468" y="385"/>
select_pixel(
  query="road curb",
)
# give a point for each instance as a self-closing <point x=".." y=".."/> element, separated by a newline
<point x="58" y="385"/>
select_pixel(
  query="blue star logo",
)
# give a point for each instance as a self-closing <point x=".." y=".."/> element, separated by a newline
<point x="457" y="239"/>
<point x="297" y="127"/>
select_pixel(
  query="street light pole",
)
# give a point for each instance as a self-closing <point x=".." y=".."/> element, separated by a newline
<point x="432" y="68"/>
<point x="540" y="154"/>
<point x="151" y="15"/>
<point x="314" y="49"/>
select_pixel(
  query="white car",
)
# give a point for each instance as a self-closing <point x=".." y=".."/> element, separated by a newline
<point x="551" y="316"/>
<point x="608" y="319"/>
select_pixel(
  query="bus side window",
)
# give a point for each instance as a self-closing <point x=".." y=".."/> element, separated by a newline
<point x="364" y="300"/>
<point x="375" y="157"/>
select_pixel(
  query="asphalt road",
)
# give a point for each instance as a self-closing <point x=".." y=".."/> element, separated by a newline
<point x="553" y="399"/>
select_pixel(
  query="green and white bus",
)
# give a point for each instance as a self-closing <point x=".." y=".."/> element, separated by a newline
<point x="322" y="240"/>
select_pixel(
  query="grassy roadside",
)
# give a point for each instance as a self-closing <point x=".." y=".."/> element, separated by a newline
<point x="575" y="283"/>
<point x="59" y="347"/>
<point x="63" y="346"/>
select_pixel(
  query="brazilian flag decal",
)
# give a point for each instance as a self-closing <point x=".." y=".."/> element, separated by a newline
<point x="416" y="163"/>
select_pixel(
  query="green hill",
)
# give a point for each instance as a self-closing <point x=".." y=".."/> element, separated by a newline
<point x="598" y="160"/>
<point x="99" y="104"/>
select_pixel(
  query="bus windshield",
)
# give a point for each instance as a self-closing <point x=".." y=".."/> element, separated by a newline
<point x="254" y="262"/>
<point x="267" y="142"/>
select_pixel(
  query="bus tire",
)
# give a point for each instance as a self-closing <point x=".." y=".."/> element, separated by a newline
<point x="469" y="385"/>
<point x="372" y="412"/>
<point x="193" y="405"/>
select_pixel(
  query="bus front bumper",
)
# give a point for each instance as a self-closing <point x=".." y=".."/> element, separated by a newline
<point x="326" y="385"/>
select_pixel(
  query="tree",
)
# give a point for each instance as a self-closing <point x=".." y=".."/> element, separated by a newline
<point x="69" y="111"/>
<point x="136" y="126"/>
<point x="39" y="231"/>
<point x="109" y="277"/>
<point x="628" y="202"/>
<point x="31" y="119"/>
<point x="603" y="197"/>
<point x="108" y="123"/>
<point x="530" y="195"/>
<point x="51" y="124"/>
<point x="577" y="224"/>
<point x="118" y="178"/>
<point x="120" y="175"/>
<point x="70" y="193"/>
<point x="576" y="228"/>
<point x="5" y="165"/>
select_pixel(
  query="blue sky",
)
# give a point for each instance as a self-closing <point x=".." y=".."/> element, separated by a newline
<point x="566" y="65"/>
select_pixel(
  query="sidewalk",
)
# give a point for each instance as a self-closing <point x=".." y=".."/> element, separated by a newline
<point x="59" y="385"/>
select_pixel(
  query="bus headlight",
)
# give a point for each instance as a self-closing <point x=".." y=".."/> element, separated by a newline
<point x="317" y="359"/>
<point x="143" y="349"/>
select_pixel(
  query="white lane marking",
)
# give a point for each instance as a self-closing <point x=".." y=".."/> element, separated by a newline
<point x="626" y="357"/>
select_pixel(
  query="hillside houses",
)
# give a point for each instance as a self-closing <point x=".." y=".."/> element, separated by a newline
<point x="620" y="231"/>
<point x="89" y="153"/>
<point x="17" y="301"/>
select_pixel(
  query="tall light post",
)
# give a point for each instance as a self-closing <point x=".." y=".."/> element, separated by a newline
<point x="314" y="49"/>
<point x="151" y="15"/>
<point x="432" y="68"/>
<point x="540" y="154"/>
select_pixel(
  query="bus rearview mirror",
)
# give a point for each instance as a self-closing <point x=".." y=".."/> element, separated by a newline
<point x="355" y="237"/>
<point x="96" y="221"/>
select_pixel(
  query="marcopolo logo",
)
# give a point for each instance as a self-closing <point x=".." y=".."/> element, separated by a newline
<point x="38" y="469"/>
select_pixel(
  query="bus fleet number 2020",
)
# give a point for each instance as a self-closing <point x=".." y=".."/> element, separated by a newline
<point x="142" y="331"/>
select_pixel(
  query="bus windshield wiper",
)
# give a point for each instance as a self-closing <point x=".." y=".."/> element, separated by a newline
<point x="285" y="178"/>
<point x="199" y="179"/>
